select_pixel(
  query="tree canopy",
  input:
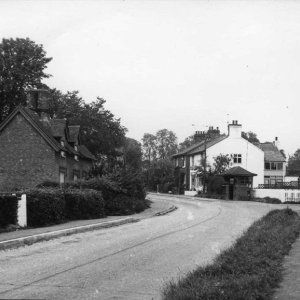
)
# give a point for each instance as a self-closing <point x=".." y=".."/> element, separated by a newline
<point x="294" y="164"/>
<point x="22" y="66"/>
<point x="251" y="137"/>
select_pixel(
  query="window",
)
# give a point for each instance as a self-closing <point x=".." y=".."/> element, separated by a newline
<point x="237" y="158"/>
<point x="62" y="175"/>
<point x="76" y="175"/>
<point x="76" y="148"/>
<point x="273" y="165"/>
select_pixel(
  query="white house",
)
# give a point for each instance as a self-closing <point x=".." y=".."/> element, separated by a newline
<point x="243" y="154"/>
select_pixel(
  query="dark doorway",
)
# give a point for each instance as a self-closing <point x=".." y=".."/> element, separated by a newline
<point x="231" y="187"/>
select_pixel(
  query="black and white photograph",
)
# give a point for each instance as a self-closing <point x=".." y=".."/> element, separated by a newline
<point x="150" y="149"/>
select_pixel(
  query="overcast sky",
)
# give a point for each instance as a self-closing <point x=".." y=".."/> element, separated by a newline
<point x="176" y="64"/>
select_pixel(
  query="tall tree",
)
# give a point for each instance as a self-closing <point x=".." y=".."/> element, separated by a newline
<point x="133" y="155"/>
<point x="102" y="132"/>
<point x="166" y="143"/>
<point x="149" y="147"/>
<point x="22" y="65"/>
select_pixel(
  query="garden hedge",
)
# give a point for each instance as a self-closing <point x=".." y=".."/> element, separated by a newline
<point x="8" y="210"/>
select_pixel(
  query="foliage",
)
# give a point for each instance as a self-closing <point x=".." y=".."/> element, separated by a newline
<point x="83" y="204"/>
<point x="45" y="207"/>
<point x="221" y="164"/>
<point x="102" y="133"/>
<point x="188" y="142"/>
<point x="294" y="164"/>
<point x="250" y="269"/>
<point x="8" y="210"/>
<point x="251" y="137"/>
<point x="125" y="205"/>
<point x="132" y="155"/>
<point x="268" y="200"/>
<point x="158" y="169"/>
<point x="22" y="65"/>
<point x="215" y="185"/>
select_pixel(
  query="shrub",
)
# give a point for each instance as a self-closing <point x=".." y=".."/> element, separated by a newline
<point x="46" y="184"/>
<point x="83" y="204"/>
<point x="8" y="210"/>
<point x="215" y="185"/>
<point x="45" y="206"/>
<point x="268" y="200"/>
<point x="125" y="205"/>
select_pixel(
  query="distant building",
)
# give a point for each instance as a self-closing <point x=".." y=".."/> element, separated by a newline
<point x="275" y="163"/>
<point x="36" y="148"/>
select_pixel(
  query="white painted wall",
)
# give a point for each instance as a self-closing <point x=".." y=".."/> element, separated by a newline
<point x="290" y="178"/>
<point x="281" y="194"/>
<point x="252" y="156"/>
<point x="22" y="211"/>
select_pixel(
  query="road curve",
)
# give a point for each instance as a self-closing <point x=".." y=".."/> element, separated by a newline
<point x="133" y="261"/>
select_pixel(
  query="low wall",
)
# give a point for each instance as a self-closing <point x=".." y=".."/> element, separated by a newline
<point x="282" y="194"/>
<point x="190" y="193"/>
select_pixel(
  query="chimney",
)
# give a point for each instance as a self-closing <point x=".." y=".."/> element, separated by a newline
<point x="199" y="136"/>
<point x="234" y="129"/>
<point x="276" y="142"/>
<point x="39" y="100"/>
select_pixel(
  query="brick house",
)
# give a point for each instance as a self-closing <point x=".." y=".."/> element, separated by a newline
<point x="36" y="148"/>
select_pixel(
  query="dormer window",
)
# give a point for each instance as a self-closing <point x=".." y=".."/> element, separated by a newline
<point x="76" y="148"/>
<point x="63" y="154"/>
<point x="62" y="143"/>
<point x="76" y="157"/>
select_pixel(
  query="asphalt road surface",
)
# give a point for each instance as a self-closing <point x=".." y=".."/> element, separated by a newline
<point x="132" y="261"/>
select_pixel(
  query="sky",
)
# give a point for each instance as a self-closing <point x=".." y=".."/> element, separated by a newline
<point x="180" y="65"/>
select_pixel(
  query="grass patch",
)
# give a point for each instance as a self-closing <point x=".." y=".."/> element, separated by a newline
<point x="250" y="269"/>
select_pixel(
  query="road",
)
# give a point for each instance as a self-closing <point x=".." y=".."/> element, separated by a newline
<point x="132" y="261"/>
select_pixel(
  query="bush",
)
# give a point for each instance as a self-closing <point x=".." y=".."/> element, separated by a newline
<point x="47" y="184"/>
<point x="268" y="200"/>
<point x="215" y="185"/>
<point x="8" y="210"/>
<point x="83" y="204"/>
<point x="45" y="207"/>
<point x="250" y="269"/>
<point x="125" y="205"/>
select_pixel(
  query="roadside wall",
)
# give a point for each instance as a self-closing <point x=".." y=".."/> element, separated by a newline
<point x="281" y="194"/>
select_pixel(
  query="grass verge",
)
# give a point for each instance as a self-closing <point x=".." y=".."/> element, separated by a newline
<point x="250" y="269"/>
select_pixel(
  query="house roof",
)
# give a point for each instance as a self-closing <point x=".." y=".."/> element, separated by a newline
<point x="271" y="152"/>
<point x="200" y="147"/>
<point x="83" y="150"/>
<point x="48" y="130"/>
<point x="238" y="171"/>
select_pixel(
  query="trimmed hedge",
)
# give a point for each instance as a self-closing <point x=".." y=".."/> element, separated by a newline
<point x="45" y="207"/>
<point x="8" y="210"/>
<point x="83" y="204"/>
<point x="50" y="206"/>
<point x="125" y="205"/>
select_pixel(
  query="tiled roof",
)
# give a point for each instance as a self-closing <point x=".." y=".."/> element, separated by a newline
<point x="200" y="147"/>
<point x="271" y="152"/>
<point x="83" y="150"/>
<point x="238" y="171"/>
<point x="209" y="144"/>
<point x="49" y="130"/>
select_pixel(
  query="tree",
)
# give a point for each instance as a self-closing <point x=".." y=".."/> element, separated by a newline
<point x="166" y="143"/>
<point x="221" y="164"/>
<point x="102" y="132"/>
<point x="294" y="164"/>
<point x="22" y="65"/>
<point x="158" y="149"/>
<point x="149" y="147"/>
<point x="251" y="137"/>
<point x="133" y="155"/>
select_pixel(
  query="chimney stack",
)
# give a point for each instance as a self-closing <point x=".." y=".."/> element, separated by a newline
<point x="276" y="142"/>
<point x="235" y="129"/>
<point x="39" y="100"/>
